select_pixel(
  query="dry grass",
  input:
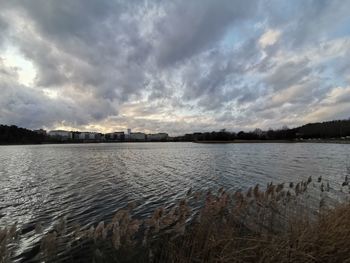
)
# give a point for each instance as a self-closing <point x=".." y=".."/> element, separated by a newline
<point x="223" y="238"/>
<point x="8" y="237"/>
<point x="279" y="223"/>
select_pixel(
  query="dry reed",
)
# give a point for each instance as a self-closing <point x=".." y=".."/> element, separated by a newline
<point x="275" y="224"/>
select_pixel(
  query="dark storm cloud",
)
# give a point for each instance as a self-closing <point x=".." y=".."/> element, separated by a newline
<point x="156" y="64"/>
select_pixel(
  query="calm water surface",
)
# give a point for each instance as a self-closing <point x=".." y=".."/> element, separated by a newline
<point x="89" y="182"/>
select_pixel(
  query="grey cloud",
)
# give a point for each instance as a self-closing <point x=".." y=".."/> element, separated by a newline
<point x="61" y="19"/>
<point x="189" y="28"/>
<point x="85" y="47"/>
<point x="306" y="22"/>
<point x="223" y="80"/>
<point x="249" y="95"/>
<point x="175" y="57"/>
<point x="174" y="127"/>
<point x="288" y="74"/>
<point x="344" y="99"/>
<point x="32" y="108"/>
<point x="114" y="64"/>
<point x="84" y="42"/>
<point x="25" y="106"/>
<point x="3" y="28"/>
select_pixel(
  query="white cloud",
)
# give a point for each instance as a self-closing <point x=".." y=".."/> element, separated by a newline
<point x="269" y="38"/>
<point x="25" y="69"/>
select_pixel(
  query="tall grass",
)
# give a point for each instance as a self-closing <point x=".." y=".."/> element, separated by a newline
<point x="8" y="237"/>
<point x="277" y="223"/>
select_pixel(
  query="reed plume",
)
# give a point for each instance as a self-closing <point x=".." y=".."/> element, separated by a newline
<point x="275" y="225"/>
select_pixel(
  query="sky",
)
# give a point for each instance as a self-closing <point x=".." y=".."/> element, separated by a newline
<point x="176" y="66"/>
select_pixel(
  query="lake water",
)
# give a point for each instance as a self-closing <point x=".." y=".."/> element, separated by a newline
<point x="89" y="182"/>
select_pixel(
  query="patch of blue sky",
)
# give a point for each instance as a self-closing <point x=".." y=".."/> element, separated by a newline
<point x="343" y="30"/>
<point x="332" y="72"/>
<point x="237" y="34"/>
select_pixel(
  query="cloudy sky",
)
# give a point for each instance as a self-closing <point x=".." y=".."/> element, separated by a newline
<point x="177" y="66"/>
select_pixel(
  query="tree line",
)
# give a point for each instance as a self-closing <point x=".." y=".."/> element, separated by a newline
<point x="16" y="135"/>
<point x="323" y="130"/>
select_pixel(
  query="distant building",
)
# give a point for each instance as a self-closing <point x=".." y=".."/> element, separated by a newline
<point x="128" y="134"/>
<point x="76" y="135"/>
<point x="137" y="136"/>
<point x="92" y="136"/>
<point x="109" y="136"/>
<point x="83" y="135"/>
<point x="89" y="136"/>
<point x="119" y="135"/>
<point x="64" y="135"/>
<point x="99" y="137"/>
<point x="115" y="136"/>
<point x="157" y="137"/>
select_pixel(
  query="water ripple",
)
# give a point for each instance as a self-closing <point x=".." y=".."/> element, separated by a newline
<point x="89" y="182"/>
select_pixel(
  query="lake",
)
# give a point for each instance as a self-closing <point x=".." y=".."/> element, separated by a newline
<point x="89" y="182"/>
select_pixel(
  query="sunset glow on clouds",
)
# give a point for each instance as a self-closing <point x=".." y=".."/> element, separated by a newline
<point x="174" y="66"/>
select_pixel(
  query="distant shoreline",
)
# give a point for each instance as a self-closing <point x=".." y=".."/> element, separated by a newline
<point x="245" y="141"/>
<point x="77" y="142"/>
<point x="274" y="141"/>
<point x="335" y="141"/>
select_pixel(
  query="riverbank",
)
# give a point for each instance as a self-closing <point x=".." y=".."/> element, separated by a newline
<point x="81" y="142"/>
<point x="247" y="141"/>
<point x="335" y="141"/>
<point x="277" y="141"/>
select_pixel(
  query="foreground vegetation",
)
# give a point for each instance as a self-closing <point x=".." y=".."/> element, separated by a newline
<point x="280" y="223"/>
